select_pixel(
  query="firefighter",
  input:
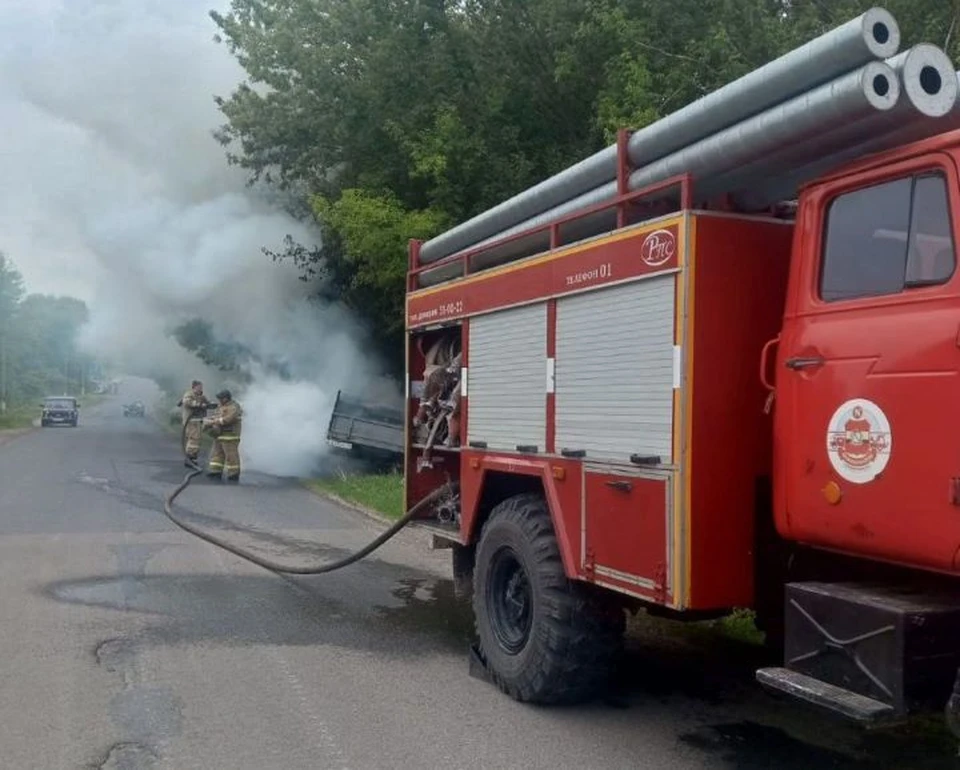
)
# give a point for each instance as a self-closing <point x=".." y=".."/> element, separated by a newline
<point x="193" y="406"/>
<point x="225" y="428"/>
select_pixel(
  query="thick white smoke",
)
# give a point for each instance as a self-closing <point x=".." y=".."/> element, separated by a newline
<point x="115" y="191"/>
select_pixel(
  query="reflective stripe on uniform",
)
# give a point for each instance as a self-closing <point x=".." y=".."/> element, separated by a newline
<point x="221" y="437"/>
<point x="231" y="467"/>
<point x="215" y="466"/>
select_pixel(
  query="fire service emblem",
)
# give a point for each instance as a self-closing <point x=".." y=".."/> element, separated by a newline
<point x="859" y="441"/>
<point x="658" y="248"/>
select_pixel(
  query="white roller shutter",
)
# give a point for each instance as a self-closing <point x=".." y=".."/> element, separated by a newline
<point x="614" y="371"/>
<point x="507" y="378"/>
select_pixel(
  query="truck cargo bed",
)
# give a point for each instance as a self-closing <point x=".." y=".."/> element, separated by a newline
<point x="364" y="428"/>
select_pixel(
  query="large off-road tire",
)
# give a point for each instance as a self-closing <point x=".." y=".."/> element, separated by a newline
<point x="546" y="639"/>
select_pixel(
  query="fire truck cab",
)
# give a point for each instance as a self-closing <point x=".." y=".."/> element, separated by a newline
<point x="702" y="409"/>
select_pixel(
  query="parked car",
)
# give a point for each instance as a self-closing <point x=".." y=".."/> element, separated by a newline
<point x="59" y="410"/>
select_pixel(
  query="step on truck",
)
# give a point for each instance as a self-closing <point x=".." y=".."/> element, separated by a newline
<point x="673" y="400"/>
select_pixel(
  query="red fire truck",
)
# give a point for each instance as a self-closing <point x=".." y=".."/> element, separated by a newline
<point x="701" y="410"/>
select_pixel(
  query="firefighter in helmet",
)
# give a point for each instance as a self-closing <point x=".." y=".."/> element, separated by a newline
<point x="193" y="408"/>
<point x="224" y="425"/>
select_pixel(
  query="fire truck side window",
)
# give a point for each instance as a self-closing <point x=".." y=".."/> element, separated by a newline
<point x="886" y="238"/>
<point x="932" y="254"/>
<point x="865" y="249"/>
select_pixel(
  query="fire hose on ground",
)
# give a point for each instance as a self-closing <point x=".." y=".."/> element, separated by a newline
<point x="273" y="566"/>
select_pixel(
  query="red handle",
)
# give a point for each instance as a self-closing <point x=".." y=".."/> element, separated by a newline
<point x="764" y="363"/>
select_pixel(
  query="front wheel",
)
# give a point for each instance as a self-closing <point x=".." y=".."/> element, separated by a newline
<point x="546" y="639"/>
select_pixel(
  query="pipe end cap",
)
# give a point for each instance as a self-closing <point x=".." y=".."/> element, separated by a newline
<point x="881" y="33"/>
<point x="929" y="80"/>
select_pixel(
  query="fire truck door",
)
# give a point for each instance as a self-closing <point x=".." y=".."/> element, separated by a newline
<point x="867" y="432"/>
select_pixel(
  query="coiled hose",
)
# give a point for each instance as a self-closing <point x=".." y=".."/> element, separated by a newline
<point x="273" y="566"/>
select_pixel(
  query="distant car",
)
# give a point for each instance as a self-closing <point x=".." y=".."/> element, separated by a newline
<point x="59" y="410"/>
<point x="136" y="409"/>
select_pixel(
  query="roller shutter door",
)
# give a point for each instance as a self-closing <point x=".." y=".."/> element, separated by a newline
<point x="614" y="370"/>
<point x="507" y="378"/>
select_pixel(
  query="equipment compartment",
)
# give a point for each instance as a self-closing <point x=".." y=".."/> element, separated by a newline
<point x="627" y="523"/>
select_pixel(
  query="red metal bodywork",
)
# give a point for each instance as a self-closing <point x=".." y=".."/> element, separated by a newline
<point x="681" y="534"/>
<point x="900" y="352"/>
<point x="606" y="261"/>
<point x="740" y="283"/>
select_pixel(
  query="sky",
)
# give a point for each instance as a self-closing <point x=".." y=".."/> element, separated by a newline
<point x="115" y="191"/>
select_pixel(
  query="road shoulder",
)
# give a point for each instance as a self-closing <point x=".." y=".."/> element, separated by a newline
<point x="347" y="504"/>
<point x="11" y="434"/>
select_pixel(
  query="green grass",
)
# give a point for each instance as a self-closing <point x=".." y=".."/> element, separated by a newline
<point x="740" y="626"/>
<point x="18" y="417"/>
<point x="382" y="493"/>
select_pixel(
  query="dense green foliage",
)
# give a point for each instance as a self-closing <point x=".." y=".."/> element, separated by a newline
<point x="38" y="350"/>
<point x="198" y="337"/>
<point x="399" y="118"/>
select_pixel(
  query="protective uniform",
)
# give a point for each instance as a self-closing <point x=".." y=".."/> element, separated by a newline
<point x="193" y="408"/>
<point x="225" y="426"/>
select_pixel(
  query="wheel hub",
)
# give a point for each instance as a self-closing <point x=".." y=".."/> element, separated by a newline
<point x="510" y="598"/>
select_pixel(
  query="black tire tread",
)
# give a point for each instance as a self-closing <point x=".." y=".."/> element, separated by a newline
<point x="578" y="636"/>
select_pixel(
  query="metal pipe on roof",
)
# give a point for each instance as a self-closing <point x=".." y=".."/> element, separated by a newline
<point x="872" y="35"/>
<point x="852" y="97"/>
<point x="871" y="89"/>
<point x="929" y="89"/>
<point x="526" y="245"/>
<point x="885" y="136"/>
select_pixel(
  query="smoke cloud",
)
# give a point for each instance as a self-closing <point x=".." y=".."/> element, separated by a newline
<point x="115" y="191"/>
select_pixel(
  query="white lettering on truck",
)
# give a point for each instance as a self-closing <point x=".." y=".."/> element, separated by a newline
<point x="600" y="273"/>
<point x="658" y="247"/>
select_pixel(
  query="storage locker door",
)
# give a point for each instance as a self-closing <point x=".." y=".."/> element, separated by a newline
<point x="614" y="371"/>
<point x="507" y="378"/>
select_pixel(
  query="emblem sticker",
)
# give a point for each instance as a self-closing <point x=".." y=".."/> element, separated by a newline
<point x="658" y="248"/>
<point x="859" y="441"/>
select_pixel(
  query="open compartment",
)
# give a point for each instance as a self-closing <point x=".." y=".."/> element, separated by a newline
<point x="434" y="416"/>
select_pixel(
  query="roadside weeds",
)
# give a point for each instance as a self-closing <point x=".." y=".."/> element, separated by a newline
<point x="10" y="434"/>
<point x="18" y="419"/>
<point x="378" y="496"/>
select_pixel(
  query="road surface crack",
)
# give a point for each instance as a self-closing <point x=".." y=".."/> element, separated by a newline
<point x="126" y="756"/>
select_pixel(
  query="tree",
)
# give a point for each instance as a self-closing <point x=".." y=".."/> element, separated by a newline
<point x="45" y="354"/>
<point x="38" y="351"/>
<point x="400" y="118"/>
<point x="11" y="292"/>
<point x="197" y="336"/>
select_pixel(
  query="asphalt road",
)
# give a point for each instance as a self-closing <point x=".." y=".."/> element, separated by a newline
<point x="129" y="644"/>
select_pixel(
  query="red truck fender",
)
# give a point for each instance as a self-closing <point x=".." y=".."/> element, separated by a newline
<point x="489" y="479"/>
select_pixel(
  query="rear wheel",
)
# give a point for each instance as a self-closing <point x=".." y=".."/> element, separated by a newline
<point x="546" y="639"/>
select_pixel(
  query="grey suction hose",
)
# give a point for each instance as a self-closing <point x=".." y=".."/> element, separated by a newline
<point x="276" y="566"/>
